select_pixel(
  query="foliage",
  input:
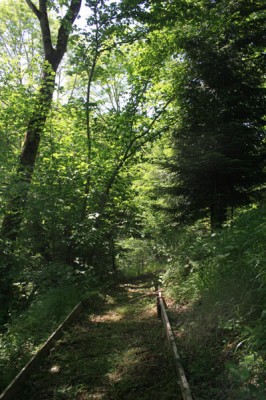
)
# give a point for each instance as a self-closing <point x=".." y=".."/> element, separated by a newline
<point x="157" y="107"/>
<point x="28" y="332"/>
<point x="225" y="273"/>
<point x="220" y="140"/>
<point x="78" y="201"/>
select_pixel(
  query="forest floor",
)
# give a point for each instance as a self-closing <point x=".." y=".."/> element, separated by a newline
<point x="118" y="352"/>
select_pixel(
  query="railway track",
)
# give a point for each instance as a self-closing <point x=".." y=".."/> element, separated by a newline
<point x="117" y="353"/>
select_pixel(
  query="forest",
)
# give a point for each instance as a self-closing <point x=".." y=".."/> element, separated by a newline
<point x="132" y="141"/>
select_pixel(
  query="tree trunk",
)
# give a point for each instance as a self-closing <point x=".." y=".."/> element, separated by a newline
<point x="218" y="214"/>
<point x="14" y="212"/>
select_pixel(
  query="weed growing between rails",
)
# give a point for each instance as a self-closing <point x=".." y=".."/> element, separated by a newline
<point x="119" y="352"/>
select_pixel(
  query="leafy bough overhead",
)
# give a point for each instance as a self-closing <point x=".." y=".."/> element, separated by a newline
<point x="135" y="144"/>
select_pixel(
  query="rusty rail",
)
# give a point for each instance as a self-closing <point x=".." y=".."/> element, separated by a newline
<point x="12" y="390"/>
<point x="182" y="380"/>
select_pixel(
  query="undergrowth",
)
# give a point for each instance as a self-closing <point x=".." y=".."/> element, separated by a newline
<point x="29" y="331"/>
<point x="222" y="276"/>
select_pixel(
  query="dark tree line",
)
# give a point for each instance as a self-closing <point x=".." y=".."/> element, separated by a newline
<point x="220" y="142"/>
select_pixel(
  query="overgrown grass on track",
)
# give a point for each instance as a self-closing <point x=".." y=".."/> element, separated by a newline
<point x="119" y="352"/>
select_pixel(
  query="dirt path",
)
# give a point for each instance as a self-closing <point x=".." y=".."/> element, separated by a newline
<point x="118" y="353"/>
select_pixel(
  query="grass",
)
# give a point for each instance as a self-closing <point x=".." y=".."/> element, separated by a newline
<point x="221" y="280"/>
<point x="30" y="330"/>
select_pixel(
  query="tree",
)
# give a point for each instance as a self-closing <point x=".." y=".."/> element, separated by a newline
<point x="219" y="143"/>
<point x="79" y="199"/>
<point x="52" y="56"/>
<point x="40" y="109"/>
<point x="20" y="50"/>
<point x="122" y="120"/>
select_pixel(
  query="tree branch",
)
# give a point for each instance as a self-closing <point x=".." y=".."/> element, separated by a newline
<point x="65" y="28"/>
<point x="33" y="8"/>
<point x="131" y="149"/>
<point x="54" y="56"/>
<point x="45" y="26"/>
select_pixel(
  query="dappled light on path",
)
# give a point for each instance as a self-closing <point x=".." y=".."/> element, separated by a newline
<point x="118" y="352"/>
